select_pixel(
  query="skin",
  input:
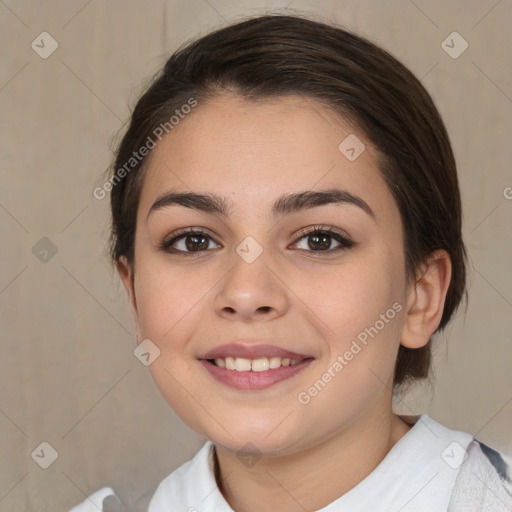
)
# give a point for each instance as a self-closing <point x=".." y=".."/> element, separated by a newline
<point x="312" y="303"/>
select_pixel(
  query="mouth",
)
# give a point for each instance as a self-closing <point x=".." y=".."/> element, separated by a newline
<point x="253" y="367"/>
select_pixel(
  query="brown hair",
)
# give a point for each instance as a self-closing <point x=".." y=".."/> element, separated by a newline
<point x="276" y="55"/>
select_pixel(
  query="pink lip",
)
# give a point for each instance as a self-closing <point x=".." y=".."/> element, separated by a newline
<point x="250" y="351"/>
<point x="254" y="380"/>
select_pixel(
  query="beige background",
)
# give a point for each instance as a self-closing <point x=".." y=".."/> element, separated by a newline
<point x="68" y="375"/>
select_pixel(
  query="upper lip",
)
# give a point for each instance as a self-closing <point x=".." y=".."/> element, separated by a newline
<point x="250" y="351"/>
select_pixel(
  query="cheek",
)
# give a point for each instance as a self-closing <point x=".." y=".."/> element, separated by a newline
<point x="169" y="303"/>
<point x="168" y="300"/>
<point x="363" y="308"/>
<point x="174" y="303"/>
<point x="353" y="296"/>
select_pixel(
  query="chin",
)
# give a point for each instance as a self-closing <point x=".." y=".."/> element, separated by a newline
<point x="244" y="438"/>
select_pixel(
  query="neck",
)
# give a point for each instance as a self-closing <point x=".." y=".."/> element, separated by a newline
<point x="285" y="483"/>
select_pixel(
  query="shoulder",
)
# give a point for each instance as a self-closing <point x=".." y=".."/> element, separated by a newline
<point x="484" y="481"/>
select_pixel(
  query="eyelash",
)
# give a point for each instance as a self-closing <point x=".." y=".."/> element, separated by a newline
<point x="344" y="242"/>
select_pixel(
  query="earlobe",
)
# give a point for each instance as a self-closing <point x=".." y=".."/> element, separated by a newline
<point x="426" y="300"/>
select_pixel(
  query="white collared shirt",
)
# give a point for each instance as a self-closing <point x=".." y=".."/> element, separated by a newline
<point x="421" y="473"/>
<point x="417" y="475"/>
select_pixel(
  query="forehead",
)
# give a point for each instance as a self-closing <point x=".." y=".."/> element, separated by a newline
<point x="256" y="150"/>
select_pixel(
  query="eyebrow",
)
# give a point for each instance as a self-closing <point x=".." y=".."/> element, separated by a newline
<point x="284" y="205"/>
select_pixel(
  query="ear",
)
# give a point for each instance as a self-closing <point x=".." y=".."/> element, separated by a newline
<point x="126" y="274"/>
<point x="425" y="302"/>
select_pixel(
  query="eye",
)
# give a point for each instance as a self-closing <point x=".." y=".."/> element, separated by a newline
<point x="320" y="238"/>
<point x="187" y="240"/>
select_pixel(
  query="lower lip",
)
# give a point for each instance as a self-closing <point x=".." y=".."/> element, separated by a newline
<point x="252" y="379"/>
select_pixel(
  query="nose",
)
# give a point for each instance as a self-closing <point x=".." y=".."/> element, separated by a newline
<point x="252" y="292"/>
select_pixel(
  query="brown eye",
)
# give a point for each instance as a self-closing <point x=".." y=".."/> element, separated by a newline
<point x="321" y="239"/>
<point x="186" y="242"/>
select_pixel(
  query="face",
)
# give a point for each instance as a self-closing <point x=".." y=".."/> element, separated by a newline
<point x="317" y="283"/>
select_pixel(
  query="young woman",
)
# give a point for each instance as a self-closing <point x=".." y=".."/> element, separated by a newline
<point x="286" y="220"/>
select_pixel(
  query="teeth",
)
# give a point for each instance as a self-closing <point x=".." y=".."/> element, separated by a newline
<point x="261" y="364"/>
<point x="275" y="362"/>
<point x="242" y="365"/>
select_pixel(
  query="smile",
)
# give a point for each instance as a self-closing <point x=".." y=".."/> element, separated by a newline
<point x="255" y="365"/>
<point x="255" y="374"/>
